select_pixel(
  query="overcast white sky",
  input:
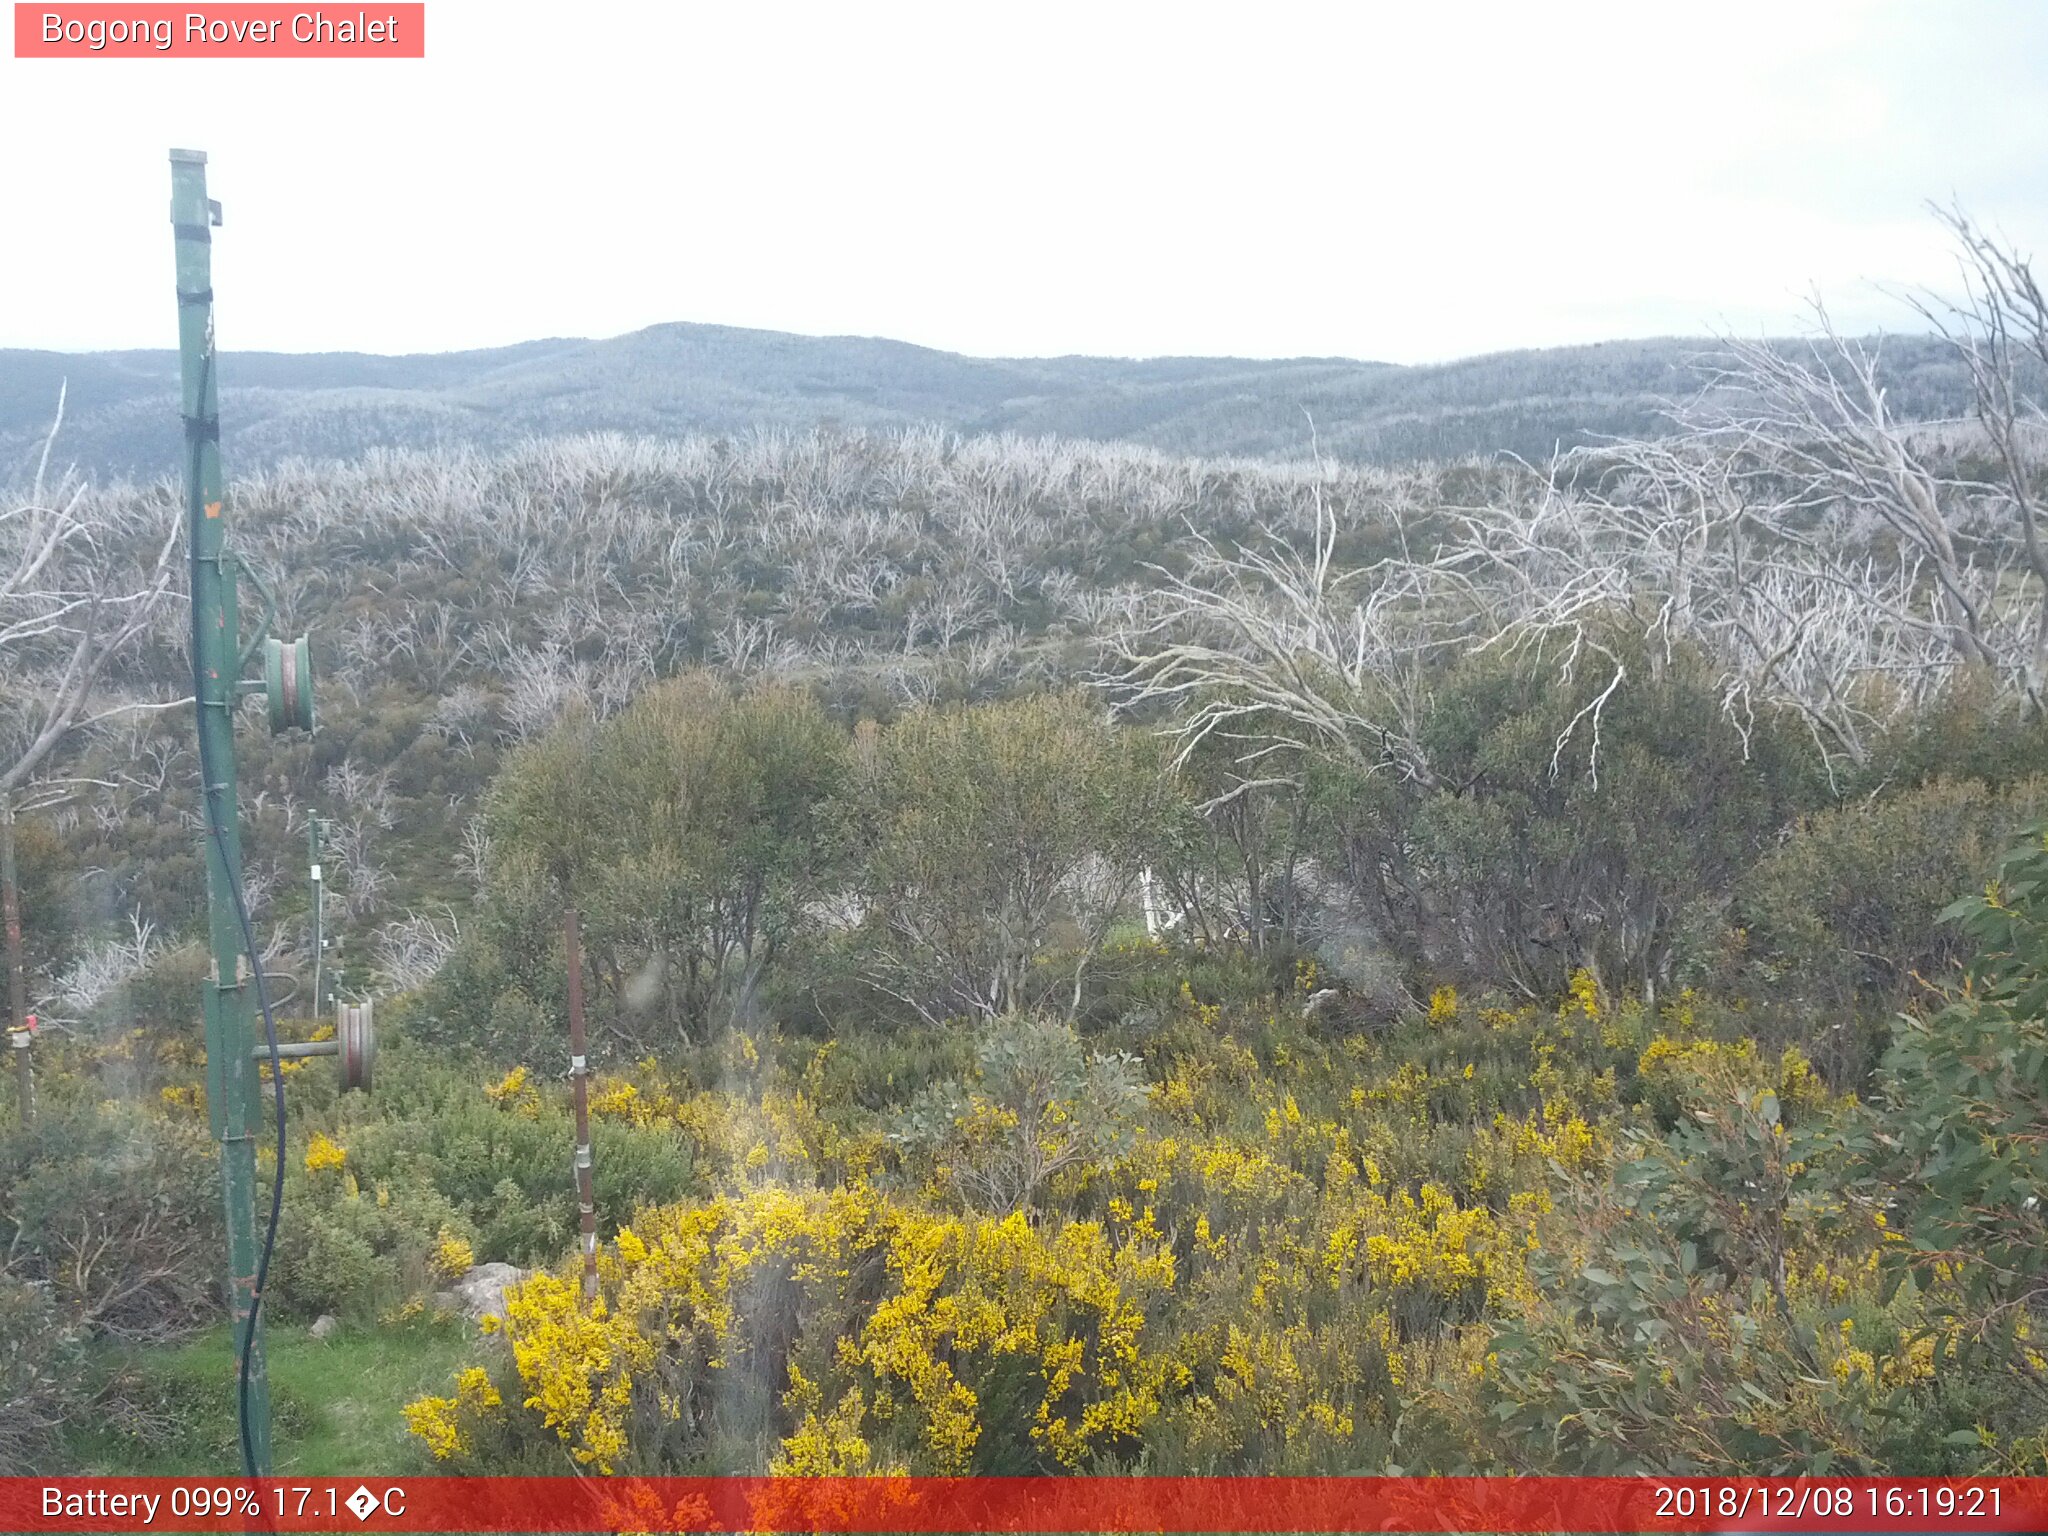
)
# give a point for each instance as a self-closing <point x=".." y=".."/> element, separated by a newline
<point x="1399" y="181"/>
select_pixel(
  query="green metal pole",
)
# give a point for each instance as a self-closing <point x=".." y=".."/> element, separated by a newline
<point x="232" y="1081"/>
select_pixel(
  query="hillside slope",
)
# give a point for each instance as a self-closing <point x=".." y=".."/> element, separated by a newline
<point x="122" y="415"/>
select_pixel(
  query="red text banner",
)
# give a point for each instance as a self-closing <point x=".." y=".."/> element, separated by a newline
<point x="226" y="31"/>
<point x="1023" y="1504"/>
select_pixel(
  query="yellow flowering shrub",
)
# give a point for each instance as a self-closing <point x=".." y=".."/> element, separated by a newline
<point x="1583" y="996"/>
<point x="1670" y="1072"/>
<point x="188" y="1098"/>
<point x="453" y="1256"/>
<point x="1444" y="1244"/>
<point x="618" y="1099"/>
<point x="903" y="1321"/>
<point x="441" y="1421"/>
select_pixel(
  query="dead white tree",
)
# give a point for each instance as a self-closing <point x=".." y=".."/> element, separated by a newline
<point x="74" y="592"/>
<point x="1822" y="438"/>
<point x="1999" y="329"/>
<point x="542" y="685"/>
<point x="1682" y="541"/>
<point x="1280" y="651"/>
<point x="79" y="582"/>
<point x="461" y="714"/>
<point x="1833" y="559"/>
<point x="357" y="788"/>
<point x="474" y="859"/>
<point x="411" y="950"/>
<point x="103" y="966"/>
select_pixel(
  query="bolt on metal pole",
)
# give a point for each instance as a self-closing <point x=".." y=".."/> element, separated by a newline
<point x="232" y="1081"/>
<point x="579" y="1077"/>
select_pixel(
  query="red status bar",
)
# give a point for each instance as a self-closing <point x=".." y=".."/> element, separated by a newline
<point x="1024" y="1504"/>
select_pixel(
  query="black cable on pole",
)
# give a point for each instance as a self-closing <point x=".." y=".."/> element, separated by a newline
<point x="216" y="825"/>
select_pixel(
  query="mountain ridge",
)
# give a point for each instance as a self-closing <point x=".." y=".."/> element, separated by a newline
<point x="679" y="377"/>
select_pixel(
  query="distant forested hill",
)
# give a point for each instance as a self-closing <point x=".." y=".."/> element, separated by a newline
<point x="122" y="413"/>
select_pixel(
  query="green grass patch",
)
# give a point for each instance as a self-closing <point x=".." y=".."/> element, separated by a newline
<point x="170" y="1410"/>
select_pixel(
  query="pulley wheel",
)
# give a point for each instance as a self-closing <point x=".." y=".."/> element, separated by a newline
<point x="288" y="681"/>
<point x="356" y="1035"/>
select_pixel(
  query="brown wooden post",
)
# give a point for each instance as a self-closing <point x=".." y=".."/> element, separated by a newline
<point x="579" y="1077"/>
<point x="18" y="1038"/>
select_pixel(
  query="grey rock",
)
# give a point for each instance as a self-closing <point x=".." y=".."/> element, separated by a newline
<point x="481" y="1292"/>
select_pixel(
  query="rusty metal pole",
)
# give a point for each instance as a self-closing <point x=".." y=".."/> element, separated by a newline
<point x="18" y="1037"/>
<point x="579" y="1076"/>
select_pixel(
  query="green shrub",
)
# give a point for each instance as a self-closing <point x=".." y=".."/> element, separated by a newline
<point x="1636" y="1358"/>
<point x="355" y="1246"/>
<point x="499" y="1172"/>
<point x="1847" y="908"/>
<point x="41" y="1392"/>
<point x="991" y="837"/>
<point x="880" y="1069"/>
<point x="46" y="892"/>
<point x="692" y="831"/>
<point x="1529" y="859"/>
<point x="1966" y="734"/>
<point x="1966" y="1097"/>
<point x="1036" y="1104"/>
<point x="118" y="1212"/>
